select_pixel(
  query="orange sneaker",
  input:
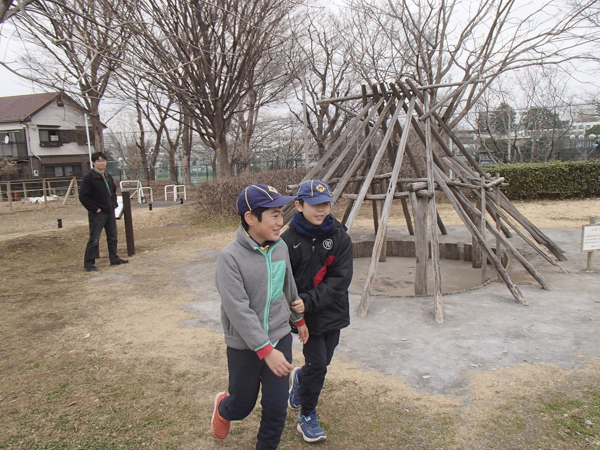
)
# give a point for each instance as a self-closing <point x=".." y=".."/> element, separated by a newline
<point x="220" y="426"/>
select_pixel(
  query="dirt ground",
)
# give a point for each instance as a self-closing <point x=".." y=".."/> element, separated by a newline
<point x="119" y="359"/>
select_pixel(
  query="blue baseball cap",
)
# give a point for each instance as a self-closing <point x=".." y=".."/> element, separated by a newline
<point x="314" y="192"/>
<point x="260" y="196"/>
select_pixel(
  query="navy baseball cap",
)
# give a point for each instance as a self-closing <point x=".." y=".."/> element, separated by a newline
<point x="314" y="192"/>
<point x="260" y="196"/>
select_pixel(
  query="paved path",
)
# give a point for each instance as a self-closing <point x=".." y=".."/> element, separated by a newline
<point x="484" y="329"/>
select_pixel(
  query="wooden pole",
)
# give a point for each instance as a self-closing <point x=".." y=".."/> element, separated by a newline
<point x="305" y="119"/>
<point x="9" y="195"/>
<point x="590" y="255"/>
<point x="383" y="256"/>
<point x="435" y="246"/>
<point x="76" y="188"/>
<point x="372" y="169"/>
<point x="24" y="190"/>
<point x="407" y="217"/>
<point x="482" y="231"/>
<point x="128" y="223"/>
<point x="44" y="192"/>
<point x="498" y="223"/>
<point x="419" y="209"/>
<point x="374" y="207"/>
<point x="438" y="175"/>
<point x="68" y="191"/>
<point x="475" y="213"/>
<point x="363" y="306"/>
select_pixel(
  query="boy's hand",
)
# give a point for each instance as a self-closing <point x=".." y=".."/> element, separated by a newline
<point x="277" y="363"/>
<point x="303" y="334"/>
<point x="298" y="306"/>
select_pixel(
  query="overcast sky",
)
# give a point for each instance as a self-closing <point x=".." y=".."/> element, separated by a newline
<point x="586" y="79"/>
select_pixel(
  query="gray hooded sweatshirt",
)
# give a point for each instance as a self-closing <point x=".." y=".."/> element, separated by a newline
<point x="256" y="288"/>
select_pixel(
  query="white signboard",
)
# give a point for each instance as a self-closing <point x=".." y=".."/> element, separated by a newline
<point x="590" y="238"/>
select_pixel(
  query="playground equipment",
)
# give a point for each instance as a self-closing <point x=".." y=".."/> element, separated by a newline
<point x="354" y="166"/>
<point x="137" y="189"/>
<point x="177" y="189"/>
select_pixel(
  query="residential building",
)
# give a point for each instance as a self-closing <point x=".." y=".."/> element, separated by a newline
<point x="45" y="134"/>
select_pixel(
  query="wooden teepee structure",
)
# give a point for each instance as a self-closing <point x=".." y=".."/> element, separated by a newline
<point x="382" y="128"/>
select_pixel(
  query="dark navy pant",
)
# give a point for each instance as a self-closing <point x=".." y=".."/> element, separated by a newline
<point x="247" y="373"/>
<point x="98" y="222"/>
<point x="318" y="352"/>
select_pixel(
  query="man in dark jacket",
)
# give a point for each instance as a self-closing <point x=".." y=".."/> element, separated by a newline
<point x="321" y="258"/>
<point x="98" y="194"/>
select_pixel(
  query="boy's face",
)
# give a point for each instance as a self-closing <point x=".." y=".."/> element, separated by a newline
<point x="315" y="214"/>
<point x="268" y="228"/>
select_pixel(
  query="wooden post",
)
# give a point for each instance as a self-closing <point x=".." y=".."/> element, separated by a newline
<point x="374" y="207"/>
<point x="68" y="191"/>
<point x="75" y="188"/>
<point x="363" y="306"/>
<point x="24" y="190"/>
<point x="498" y="223"/>
<point x="421" y="251"/>
<point x="383" y="256"/>
<point x="128" y="222"/>
<point x="9" y="196"/>
<point x="435" y="246"/>
<point x="439" y="177"/>
<point x="590" y="255"/>
<point x="44" y="192"/>
<point x="482" y="231"/>
<point x="464" y="201"/>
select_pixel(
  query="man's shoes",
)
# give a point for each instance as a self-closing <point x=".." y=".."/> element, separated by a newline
<point x="90" y="269"/>
<point x="294" y="397"/>
<point x="310" y="428"/>
<point x="220" y="426"/>
<point x="118" y="262"/>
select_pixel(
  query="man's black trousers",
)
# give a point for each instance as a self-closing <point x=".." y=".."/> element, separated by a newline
<point x="246" y="375"/>
<point x="318" y="352"/>
<point x="98" y="222"/>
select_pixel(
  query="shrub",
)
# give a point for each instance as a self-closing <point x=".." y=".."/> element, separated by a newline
<point x="219" y="197"/>
<point x="569" y="179"/>
<point x="8" y="169"/>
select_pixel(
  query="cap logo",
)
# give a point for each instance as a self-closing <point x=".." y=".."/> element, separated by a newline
<point x="320" y="188"/>
<point x="272" y="189"/>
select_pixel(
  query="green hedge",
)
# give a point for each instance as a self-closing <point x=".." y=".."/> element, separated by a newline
<point x="569" y="179"/>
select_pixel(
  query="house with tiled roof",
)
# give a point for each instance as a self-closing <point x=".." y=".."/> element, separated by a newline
<point x="45" y="135"/>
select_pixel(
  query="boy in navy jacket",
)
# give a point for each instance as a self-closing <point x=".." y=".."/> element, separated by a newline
<point x="321" y="257"/>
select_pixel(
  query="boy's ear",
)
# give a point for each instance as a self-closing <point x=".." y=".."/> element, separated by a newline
<point x="249" y="218"/>
<point x="298" y="205"/>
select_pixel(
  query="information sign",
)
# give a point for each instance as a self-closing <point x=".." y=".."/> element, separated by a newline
<point x="590" y="238"/>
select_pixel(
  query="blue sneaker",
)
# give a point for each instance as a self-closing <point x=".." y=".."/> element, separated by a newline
<point x="310" y="428"/>
<point x="294" y="398"/>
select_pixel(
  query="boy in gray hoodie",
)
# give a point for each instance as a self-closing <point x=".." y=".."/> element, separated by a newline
<point x="258" y="299"/>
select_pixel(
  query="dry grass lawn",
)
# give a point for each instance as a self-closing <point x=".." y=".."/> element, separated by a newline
<point x="99" y="361"/>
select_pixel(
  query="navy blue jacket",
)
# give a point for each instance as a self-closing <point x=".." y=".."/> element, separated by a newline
<point x="323" y="271"/>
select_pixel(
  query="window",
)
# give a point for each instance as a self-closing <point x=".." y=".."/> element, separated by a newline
<point x="50" y="138"/>
<point x="62" y="171"/>
<point x="13" y="144"/>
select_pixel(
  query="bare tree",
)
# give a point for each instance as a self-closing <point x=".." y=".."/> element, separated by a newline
<point x="324" y="62"/>
<point x="75" y="52"/>
<point x="205" y="54"/>
<point x="458" y="41"/>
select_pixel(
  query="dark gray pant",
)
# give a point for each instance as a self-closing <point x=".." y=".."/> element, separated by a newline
<point x="318" y="352"/>
<point x="247" y="373"/>
<point x="98" y="222"/>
